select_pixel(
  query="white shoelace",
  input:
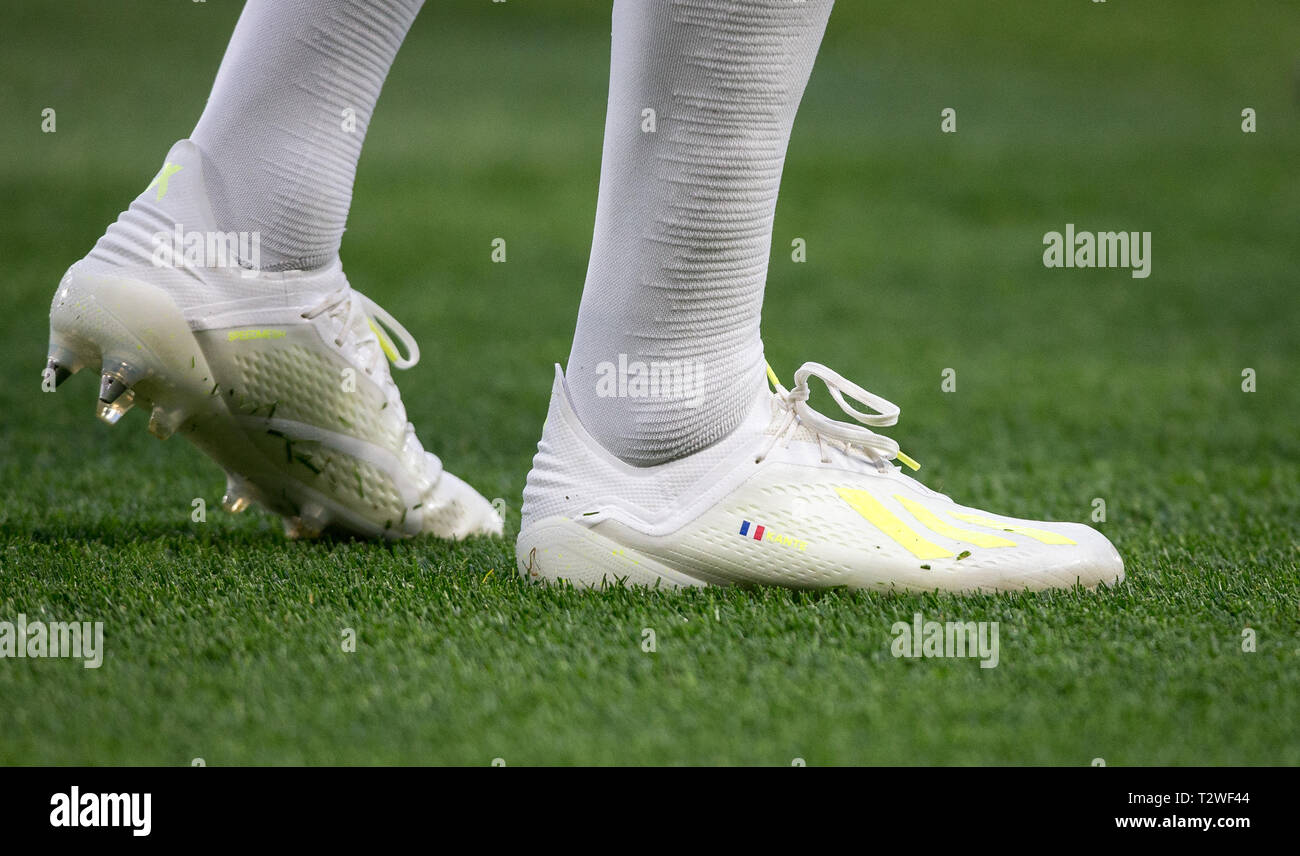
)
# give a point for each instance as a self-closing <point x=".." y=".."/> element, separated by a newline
<point x="344" y="304"/>
<point x="877" y="447"/>
<point x="372" y="346"/>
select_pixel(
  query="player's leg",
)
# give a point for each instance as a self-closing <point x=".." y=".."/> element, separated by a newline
<point x="665" y="459"/>
<point x="218" y="300"/>
<point x="684" y="216"/>
<point x="283" y="128"/>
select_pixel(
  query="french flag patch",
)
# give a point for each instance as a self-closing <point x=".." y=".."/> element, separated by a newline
<point x="751" y="530"/>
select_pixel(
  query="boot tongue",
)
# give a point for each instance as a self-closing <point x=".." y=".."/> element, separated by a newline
<point x="368" y="348"/>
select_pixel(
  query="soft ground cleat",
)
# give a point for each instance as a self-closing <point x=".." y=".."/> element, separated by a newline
<point x="281" y="377"/>
<point x="789" y="498"/>
<point x="61" y="364"/>
<point x="309" y="524"/>
<point x="238" y="496"/>
<point x="54" y="375"/>
<point x="163" y="422"/>
<point x="313" y="518"/>
<point x="116" y="396"/>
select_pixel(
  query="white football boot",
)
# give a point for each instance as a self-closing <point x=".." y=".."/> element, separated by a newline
<point x="280" y="377"/>
<point x="790" y="498"/>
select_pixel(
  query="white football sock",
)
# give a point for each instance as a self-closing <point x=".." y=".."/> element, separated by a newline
<point x="280" y="147"/>
<point x="667" y="357"/>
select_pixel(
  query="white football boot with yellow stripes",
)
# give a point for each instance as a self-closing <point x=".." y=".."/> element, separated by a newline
<point x="281" y="377"/>
<point x="790" y="498"/>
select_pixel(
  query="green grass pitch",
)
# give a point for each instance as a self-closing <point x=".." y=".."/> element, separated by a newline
<point x="924" y="252"/>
